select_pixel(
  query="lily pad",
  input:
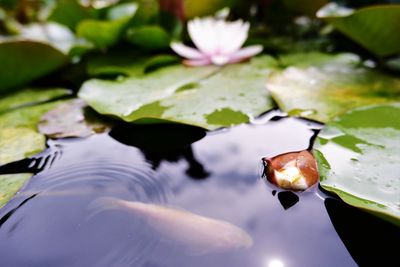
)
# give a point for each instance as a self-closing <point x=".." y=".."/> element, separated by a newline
<point x="18" y="135"/>
<point x="102" y="33"/>
<point x="69" y="13"/>
<point x="149" y="38"/>
<point x="29" y="97"/>
<point x="10" y="184"/>
<point x="358" y="159"/>
<point x="71" y="119"/>
<point x="203" y="96"/>
<point x="330" y="86"/>
<point x="35" y="42"/>
<point x="18" y="58"/>
<point x="52" y="33"/>
<point x="125" y="63"/>
<point x="105" y="33"/>
<point x="376" y="27"/>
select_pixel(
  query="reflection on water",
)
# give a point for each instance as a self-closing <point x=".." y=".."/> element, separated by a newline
<point x="165" y="142"/>
<point x="56" y="227"/>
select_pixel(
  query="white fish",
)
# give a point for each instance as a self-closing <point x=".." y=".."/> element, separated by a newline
<point x="195" y="233"/>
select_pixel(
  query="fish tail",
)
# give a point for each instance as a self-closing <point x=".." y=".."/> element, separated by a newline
<point x="103" y="204"/>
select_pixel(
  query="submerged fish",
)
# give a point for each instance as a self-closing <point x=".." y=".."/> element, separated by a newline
<point x="195" y="233"/>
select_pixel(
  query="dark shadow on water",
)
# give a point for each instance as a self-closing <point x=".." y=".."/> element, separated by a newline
<point x="164" y="142"/>
<point x="370" y="240"/>
<point x="33" y="165"/>
<point x="288" y="199"/>
<point x="11" y="212"/>
<point x="157" y="137"/>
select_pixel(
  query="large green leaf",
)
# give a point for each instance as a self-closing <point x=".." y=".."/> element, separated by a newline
<point x="23" y="62"/>
<point x="329" y="85"/>
<point x="358" y="159"/>
<point x="18" y="135"/>
<point x="376" y="27"/>
<point x="38" y="50"/>
<point x="204" y="96"/>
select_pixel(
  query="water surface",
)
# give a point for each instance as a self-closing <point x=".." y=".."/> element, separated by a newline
<point x="51" y="222"/>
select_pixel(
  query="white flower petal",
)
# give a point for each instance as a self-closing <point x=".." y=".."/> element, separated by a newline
<point x="218" y="42"/>
<point x="199" y="62"/>
<point x="234" y="37"/>
<point x="186" y="51"/>
<point x="220" y="60"/>
<point x="245" y="53"/>
<point x="203" y="34"/>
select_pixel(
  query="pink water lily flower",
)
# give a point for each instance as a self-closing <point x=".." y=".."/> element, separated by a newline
<point x="218" y="42"/>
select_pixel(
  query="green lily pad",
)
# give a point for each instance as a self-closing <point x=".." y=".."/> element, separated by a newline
<point x="22" y="56"/>
<point x="203" y="96"/>
<point x="150" y="38"/>
<point x="29" y="97"/>
<point x="55" y="34"/>
<point x="125" y="63"/>
<point x="102" y="33"/>
<point x="69" y="13"/>
<point x="376" y="27"/>
<point x="105" y="33"/>
<point x="10" y="184"/>
<point x="18" y="135"/>
<point x="358" y="159"/>
<point x="22" y="62"/>
<point x="330" y="86"/>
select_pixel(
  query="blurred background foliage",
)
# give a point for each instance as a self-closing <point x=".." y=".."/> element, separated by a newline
<point x="69" y="33"/>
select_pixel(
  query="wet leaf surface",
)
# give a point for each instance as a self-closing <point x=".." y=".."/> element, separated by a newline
<point x="329" y="85"/>
<point x="204" y="96"/>
<point x="358" y="159"/>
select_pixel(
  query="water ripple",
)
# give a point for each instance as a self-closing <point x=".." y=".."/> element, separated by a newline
<point x="63" y="196"/>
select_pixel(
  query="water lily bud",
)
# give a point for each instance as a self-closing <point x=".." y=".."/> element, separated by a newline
<point x="294" y="171"/>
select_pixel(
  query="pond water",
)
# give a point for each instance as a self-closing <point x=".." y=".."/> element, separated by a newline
<point x="62" y="217"/>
